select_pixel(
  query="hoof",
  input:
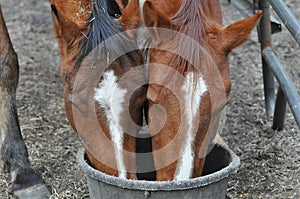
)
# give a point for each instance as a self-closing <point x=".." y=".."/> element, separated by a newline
<point x="21" y="179"/>
<point x="39" y="191"/>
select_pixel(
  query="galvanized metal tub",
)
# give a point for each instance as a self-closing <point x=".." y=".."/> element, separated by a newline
<point x="220" y="163"/>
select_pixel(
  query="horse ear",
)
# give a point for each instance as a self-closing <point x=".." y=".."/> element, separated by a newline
<point x="237" y="33"/>
<point x="131" y="16"/>
<point x="69" y="16"/>
<point x="154" y="18"/>
<point x="55" y="17"/>
<point x="67" y="25"/>
<point x="76" y="11"/>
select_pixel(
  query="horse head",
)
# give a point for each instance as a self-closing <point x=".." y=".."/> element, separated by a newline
<point x="189" y="80"/>
<point x="104" y="81"/>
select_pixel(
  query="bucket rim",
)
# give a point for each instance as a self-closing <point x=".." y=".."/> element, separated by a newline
<point x="143" y="185"/>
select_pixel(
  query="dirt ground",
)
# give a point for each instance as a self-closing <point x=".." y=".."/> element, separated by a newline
<point x="270" y="160"/>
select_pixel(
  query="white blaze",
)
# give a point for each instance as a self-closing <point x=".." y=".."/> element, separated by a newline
<point x="141" y="3"/>
<point x="192" y="100"/>
<point x="110" y="98"/>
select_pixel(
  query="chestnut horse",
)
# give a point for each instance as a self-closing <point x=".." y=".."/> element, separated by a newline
<point x="190" y="96"/>
<point x="106" y="84"/>
<point x="105" y="87"/>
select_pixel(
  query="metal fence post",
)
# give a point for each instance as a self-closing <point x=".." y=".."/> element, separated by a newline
<point x="266" y="41"/>
<point x="280" y="110"/>
<point x="287" y="92"/>
<point x="286" y="85"/>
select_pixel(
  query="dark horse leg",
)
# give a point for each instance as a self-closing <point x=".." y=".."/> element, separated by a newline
<point x="13" y="152"/>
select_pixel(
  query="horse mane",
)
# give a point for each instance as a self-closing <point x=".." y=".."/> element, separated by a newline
<point x="193" y="54"/>
<point x="189" y="21"/>
<point x="100" y="27"/>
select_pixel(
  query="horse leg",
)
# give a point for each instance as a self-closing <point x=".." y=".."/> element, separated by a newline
<point x="13" y="152"/>
<point x="4" y="165"/>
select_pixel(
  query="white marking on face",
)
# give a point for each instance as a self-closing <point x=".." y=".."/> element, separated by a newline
<point x="141" y="3"/>
<point x="110" y="98"/>
<point x="192" y="102"/>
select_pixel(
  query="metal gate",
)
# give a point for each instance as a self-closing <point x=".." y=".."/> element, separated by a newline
<point x="272" y="67"/>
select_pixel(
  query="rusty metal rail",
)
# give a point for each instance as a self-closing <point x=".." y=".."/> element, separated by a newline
<point x="287" y="92"/>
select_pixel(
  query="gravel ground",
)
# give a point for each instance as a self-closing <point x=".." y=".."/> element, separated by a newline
<point x="270" y="160"/>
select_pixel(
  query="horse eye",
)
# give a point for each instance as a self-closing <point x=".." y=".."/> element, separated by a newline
<point x="117" y="16"/>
